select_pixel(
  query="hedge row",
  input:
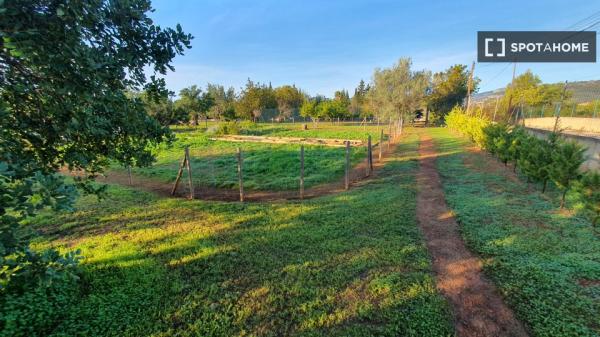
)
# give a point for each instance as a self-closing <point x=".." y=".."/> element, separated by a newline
<point x="553" y="159"/>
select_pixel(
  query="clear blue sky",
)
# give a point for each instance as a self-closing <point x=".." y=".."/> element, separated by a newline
<point x="323" y="46"/>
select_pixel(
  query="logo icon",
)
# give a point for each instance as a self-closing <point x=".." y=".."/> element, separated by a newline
<point x="487" y="47"/>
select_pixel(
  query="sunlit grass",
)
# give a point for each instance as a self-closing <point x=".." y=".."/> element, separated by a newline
<point x="535" y="254"/>
<point x="266" y="166"/>
<point x="352" y="264"/>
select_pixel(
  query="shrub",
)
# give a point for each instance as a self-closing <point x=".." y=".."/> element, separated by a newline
<point x="491" y="132"/>
<point x="518" y="139"/>
<point x="567" y="157"/>
<point x="469" y="126"/>
<point x="589" y="190"/>
<point x="228" y="128"/>
<point x="39" y="294"/>
<point x="535" y="160"/>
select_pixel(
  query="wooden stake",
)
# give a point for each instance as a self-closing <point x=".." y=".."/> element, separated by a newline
<point x="301" y="171"/>
<point x="129" y="175"/>
<point x="179" y="174"/>
<point x="240" y="175"/>
<point x="469" y="85"/>
<point x="370" y="154"/>
<point x="347" y="176"/>
<point x="189" y="169"/>
<point x="380" y="144"/>
<point x="368" y="171"/>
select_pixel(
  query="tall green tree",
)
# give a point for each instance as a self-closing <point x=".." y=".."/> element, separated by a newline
<point x="449" y="89"/>
<point x="399" y="91"/>
<point x="255" y="99"/>
<point x="224" y="100"/>
<point x="289" y="99"/>
<point x="359" y="105"/>
<point x="65" y="69"/>
<point x="195" y="102"/>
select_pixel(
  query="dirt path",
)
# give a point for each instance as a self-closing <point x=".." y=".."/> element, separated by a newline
<point x="478" y="308"/>
<point x="357" y="178"/>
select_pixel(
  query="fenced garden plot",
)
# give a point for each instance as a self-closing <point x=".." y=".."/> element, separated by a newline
<point x="324" y="267"/>
<point x="266" y="167"/>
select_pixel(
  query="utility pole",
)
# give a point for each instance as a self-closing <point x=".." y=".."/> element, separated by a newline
<point x="469" y="87"/>
<point x="496" y="108"/>
<point x="512" y="84"/>
<point x="562" y="97"/>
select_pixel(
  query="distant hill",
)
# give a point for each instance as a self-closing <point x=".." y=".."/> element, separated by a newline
<point x="583" y="91"/>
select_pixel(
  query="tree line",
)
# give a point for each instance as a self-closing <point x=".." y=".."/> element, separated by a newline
<point x="393" y="93"/>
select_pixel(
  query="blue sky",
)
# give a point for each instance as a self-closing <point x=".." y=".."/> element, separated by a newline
<point x="323" y="46"/>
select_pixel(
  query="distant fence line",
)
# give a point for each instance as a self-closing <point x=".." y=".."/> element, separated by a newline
<point x="395" y="131"/>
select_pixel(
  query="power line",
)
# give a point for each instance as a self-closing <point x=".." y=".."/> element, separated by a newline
<point x="582" y="21"/>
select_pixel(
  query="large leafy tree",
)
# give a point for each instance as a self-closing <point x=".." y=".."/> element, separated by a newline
<point x="359" y="105"/>
<point x="399" y="91"/>
<point x="65" y="70"/>
<point x="224" y="100"/>
<point x="289" y="99"/>
<point x="255" y="99"/>
<point x="195" y="102"/>
<point x="449" y="89"/>
<point x="527" y="89"/>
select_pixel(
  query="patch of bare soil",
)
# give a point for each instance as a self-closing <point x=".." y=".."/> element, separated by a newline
<point x="357" y="178"/>
<point x="477" y="306"/>
<point x="588" y="283"/>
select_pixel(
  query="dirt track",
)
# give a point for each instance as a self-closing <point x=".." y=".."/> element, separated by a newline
<point x="478" y="308"/>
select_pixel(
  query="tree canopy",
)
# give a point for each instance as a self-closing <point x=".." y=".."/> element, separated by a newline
<point x="399" y="91"/>
<point x="449" y="89"/>
<point x="65" y="71"/>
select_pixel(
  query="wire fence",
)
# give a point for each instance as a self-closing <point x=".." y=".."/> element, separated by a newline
<point x="294" y="171"/>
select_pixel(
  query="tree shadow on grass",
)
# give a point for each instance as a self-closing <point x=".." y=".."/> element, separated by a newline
<point x="347" y="264"/>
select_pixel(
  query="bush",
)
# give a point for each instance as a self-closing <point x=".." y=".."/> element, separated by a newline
<point x="491" y="132"/>
<point x="540" y="160"/>
<point x="38" y="294"/>
<point x="536" y="160"/>
<point x="228" y="128"/>
<point x="469" y="126"/>
<point x="567" y="157"/>
<point x="589" y="190"/>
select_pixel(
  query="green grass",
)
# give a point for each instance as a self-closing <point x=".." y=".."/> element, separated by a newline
<point x="535" y="254"/>
<point x="352" y="264"/>
<point x="266" y="166"/>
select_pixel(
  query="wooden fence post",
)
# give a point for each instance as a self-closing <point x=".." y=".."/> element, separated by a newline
<point x="368" y="171"/>
<point x="301" y="171"/>
<point x="189" y="169"/>
<point x="380" y="144"/>
<point x="370" y="154"/>
<point x="129" y="175"/>
<point x="347" y="177"/>
<point x="240" y="175"/>
<point x="179" y="174"/>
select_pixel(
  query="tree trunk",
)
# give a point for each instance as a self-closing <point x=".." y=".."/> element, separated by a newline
<point x="562" y="200"/>
<point x="545" y="184"/>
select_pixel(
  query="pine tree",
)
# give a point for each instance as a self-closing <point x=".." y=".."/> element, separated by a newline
<point x="567" y="157"/>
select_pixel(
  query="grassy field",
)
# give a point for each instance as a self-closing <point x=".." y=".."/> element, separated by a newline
<point x="352" y="264"/>
<point x="266" y="166"/>
<point x="545" y="262"/>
